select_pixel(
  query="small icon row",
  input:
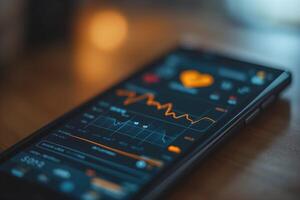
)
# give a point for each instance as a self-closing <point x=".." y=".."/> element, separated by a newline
<point x="231" y="100"/>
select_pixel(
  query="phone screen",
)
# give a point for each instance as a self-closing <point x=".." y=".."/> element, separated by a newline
<point x="123" y="139"/>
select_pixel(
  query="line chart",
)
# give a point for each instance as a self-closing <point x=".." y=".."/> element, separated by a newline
<point x="132" y="97"/>
<point x="145" y="132"/>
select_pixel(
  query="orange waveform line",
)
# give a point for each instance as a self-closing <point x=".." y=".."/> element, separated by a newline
<point x="150" y="161"/>
<point x="132" y="97"/>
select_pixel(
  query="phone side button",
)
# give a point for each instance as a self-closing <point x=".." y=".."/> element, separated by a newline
<point x="270" y="100"/>
<point x="252" y="116"/>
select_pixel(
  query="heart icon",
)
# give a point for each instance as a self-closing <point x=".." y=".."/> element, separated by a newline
<point x="195" y="79"/>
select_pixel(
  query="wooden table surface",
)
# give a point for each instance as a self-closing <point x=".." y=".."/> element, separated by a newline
<point x="262" y="161"/>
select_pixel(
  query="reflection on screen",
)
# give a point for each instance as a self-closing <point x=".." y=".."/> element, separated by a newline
<point x="126" y="137"/>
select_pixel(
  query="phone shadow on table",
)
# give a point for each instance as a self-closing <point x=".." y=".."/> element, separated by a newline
<point x="221" y="173"/>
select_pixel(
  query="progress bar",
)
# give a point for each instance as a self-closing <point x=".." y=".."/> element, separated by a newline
<point x="150" y="161"/>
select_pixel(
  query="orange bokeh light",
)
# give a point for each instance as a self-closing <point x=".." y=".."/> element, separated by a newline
<point x="108" y="30"/>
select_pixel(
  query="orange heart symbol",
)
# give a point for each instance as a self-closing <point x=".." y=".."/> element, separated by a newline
<point x="194" y="79"/>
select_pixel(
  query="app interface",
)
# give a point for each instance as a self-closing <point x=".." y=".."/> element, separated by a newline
<point x="126" y="137"/>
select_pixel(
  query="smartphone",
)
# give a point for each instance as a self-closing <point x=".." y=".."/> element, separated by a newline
<point x="136" y="139"/>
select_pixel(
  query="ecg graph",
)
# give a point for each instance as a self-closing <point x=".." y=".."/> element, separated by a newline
<point x="144" y="126"/>
<point x="132" y="97"/>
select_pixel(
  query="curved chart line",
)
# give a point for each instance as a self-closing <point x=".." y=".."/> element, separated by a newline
<point x="133" y="97"/>
<point x="118" y="124"/>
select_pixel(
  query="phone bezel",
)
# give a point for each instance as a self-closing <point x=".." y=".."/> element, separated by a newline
<point x="167" y="176"/>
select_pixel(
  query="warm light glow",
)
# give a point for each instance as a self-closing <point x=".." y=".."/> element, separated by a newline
<point x="108" y="30"/>
<point x="92" y="66"/>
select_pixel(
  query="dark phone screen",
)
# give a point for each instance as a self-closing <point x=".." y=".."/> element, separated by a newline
<point x="131" y="133"/>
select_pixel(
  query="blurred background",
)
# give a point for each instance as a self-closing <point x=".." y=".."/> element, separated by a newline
<point x="55" y="54"/>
